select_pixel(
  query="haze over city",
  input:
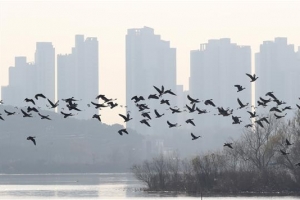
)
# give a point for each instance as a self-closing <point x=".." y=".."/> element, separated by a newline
<point x="185" y="24"/>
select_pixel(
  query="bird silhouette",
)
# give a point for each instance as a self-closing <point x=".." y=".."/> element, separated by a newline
<point x="163" y="101"/>
<point x="252" y="115"/>
<point x="112" y="104"/>
<point x="275" y="109"/>
<point x="194" y="137"/>
<point x="137" y="99"/>
<point x="201" y="111"/>
<point x="170" y="92"/>
<point x="98" y="105"/>
<point x="248" y="125"/>
<point x="157" y="114"/>
<point x="97" y="117"/>
<point x="146" y="114"/>
<point x="66" y="114"/>
<point x="209" y="102"/>
<point x="29" y="100"/>
<point x="236" y="120"/>
<point x="279" y="102"/>
<point x="239" y="87"/>
<point x="192" y="101"/>
<point x="191" y="109"/>
<point x="39" y="95"/>
<point x="174" y="110"/>
<point x="278" y="116"/>
<point x="287" y="108"/>
<point x="270" y="94"/>
<point x="126" y="118"/>
<point x="44" y="116"/>
<point x="153" y="96"/>
<point x="32" y="139"/>
<point x="26" y="114"/>
<point x="145" y="121"/>
<point x="121" y="131"/>
<point x="9" y="113"/>
<point x="53" y="105"/>
<point x="228" y="145"/>
<point x="190" y="121"/>
<point x="241" y="104"/>
<point x="253" y="78"/>
<point x="171" y="125"/>
<point x="29" y="109"/>
<point x="160" y="91"/>
<point x="1" y="118"/>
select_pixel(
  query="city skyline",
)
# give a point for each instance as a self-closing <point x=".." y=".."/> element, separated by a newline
<point x="185" y="24"/>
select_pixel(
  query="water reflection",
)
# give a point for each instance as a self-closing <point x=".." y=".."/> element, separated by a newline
<point x="77" y="186"/>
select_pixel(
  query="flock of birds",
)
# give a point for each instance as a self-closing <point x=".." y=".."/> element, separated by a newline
<point x="162" y="92"/>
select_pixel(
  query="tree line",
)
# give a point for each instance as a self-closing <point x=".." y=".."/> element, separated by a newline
<point x="255" y="165"/>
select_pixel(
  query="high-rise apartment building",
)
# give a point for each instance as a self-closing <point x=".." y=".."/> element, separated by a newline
<point x="27" y="79"/>
<point x="278" y="67"/>
<point x="214" y="70"/>
<point x="150" y="61"/>
<point x="77" y="74"/>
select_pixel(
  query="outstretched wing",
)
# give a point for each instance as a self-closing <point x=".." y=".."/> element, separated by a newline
<point x="249" y="75"/>
<point x="239" y="101"/>
<point x="158" y="90"/>
<point x="123" y="116"/>
<point x="193" y="135"/>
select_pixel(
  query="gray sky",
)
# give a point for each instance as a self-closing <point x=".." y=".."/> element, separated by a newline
<point x="186" y="24"/>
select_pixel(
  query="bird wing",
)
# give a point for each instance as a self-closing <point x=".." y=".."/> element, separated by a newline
<point x="33" y="140"/>
<point x="287" y="142"/>
<point x="249" y="75"/>
<point x="190" y="98"/>
<point x="123" y="116"/>
<point x="239" y="101"/>
<point x="170" y="123"/>
<point x="156" y="113"/>
<point x="24" y="113"/>
<point x="51" y="103"/>
<point x="158" y="90"/>
<point x="193" y="135"/>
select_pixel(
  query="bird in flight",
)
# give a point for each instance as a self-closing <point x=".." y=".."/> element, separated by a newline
<point x="253" y="78"/>
<point x="66" y="114"/>
<point x="39" y="95"/>
<point x="123" y="131"/>
<point x="97" y="117"/>
<point x="32" y="139"/>
<point x="26" y="114"/>
<point x="194" y="137"/>
<point x="190" y="121"/>
<point x="44" y="116"/>
<point x="53" y="105"/>
<point x="157" y="114"/>
<point x="239" y="87"/>
<point x="29" y="100"/>
<point x="192" y="101"/>
<point x="126" y="118"/>
<point x="9" y="113"/>
<point x="228" y="145"/>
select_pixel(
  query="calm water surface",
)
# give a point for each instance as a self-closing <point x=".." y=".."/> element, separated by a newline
<point x="88" y="186"/>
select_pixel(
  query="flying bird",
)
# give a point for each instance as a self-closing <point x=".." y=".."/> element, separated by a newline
<point x="9" y="113"/>
<point x="253" y="78"/>
<point x="54" y="105"/>
<point x="32" y="139"/>
<point x="194" y="137"/>
<point x="160" y="91"/>
<point x="228" y="145"/>
<point x="209" y="102"/>
<point x="239" y="87"/>
<point x="172" y="125"/>
<point x="241" y="104"/>
<point x="26" y="114"/>
<point x="190" y="121"/>
<point x="97" y="117"/>
<point x="44" y="116"/>
<point x="157" y="114"/>
<point x="284" y="153"/>
<point x="287" y="142"/>
<point x="123" y="131"/>
<point x="39" y="95"/>
<point x="66" y="114"/>
<point x="145" y="121"/>
<point x="192" y="101"/>
<point x="153" y="96"/>
<point x="29" y="100"/>
<point x="126" y="118"/>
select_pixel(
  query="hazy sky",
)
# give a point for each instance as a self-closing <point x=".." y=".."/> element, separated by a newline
<point x="186" y="24"/>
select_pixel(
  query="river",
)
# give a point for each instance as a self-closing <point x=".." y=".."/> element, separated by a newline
<point x="89" y="186"/>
